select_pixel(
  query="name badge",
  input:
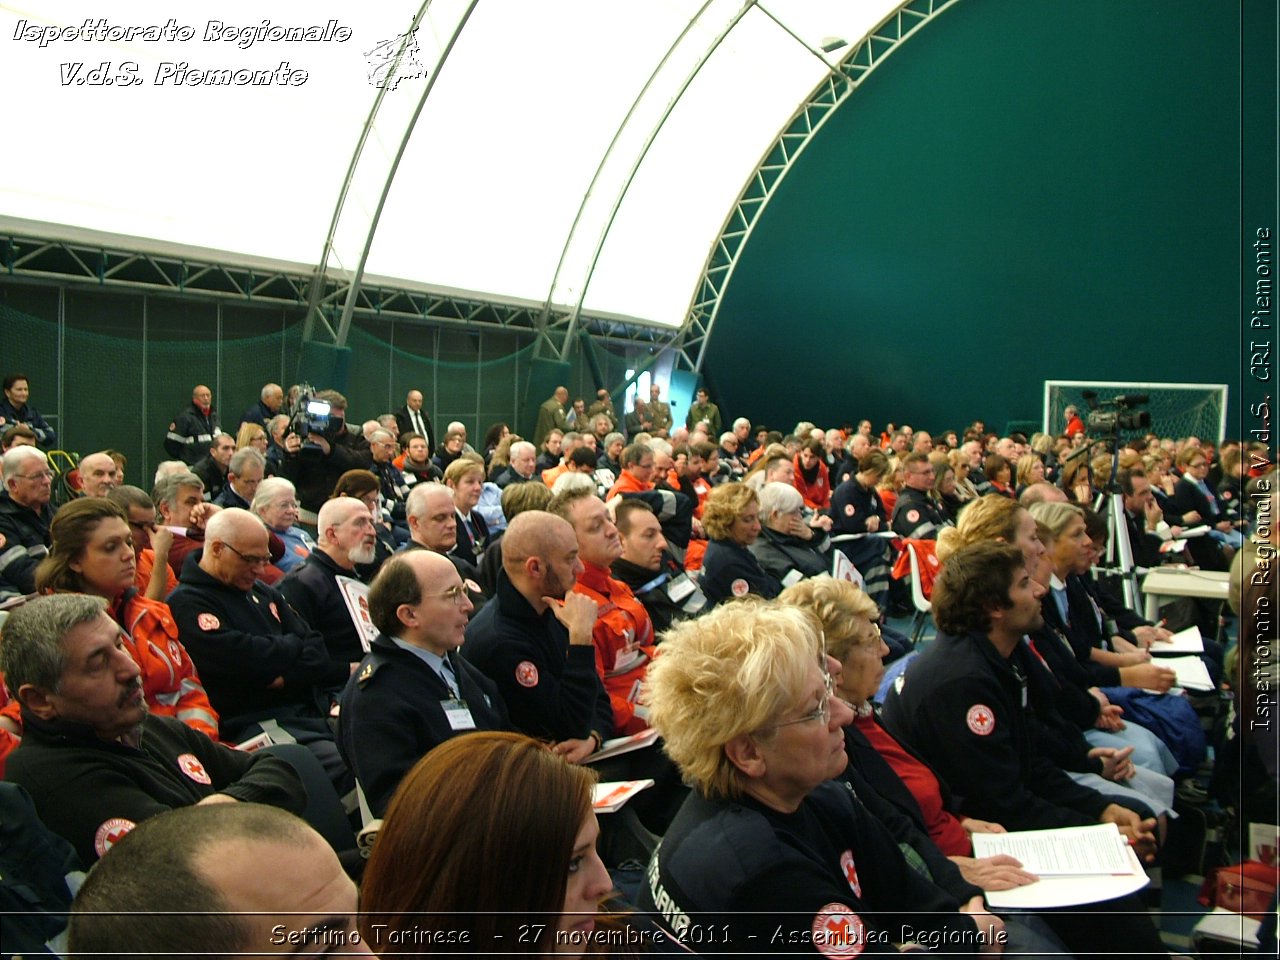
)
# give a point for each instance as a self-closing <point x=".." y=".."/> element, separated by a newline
<point x="679" y="588"/>
<point x="458" y="714"/>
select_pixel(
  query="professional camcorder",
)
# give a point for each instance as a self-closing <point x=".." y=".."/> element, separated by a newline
<point x="1121" y="416"/>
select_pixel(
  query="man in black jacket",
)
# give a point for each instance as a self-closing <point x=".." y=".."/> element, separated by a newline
<point x="92" y="759"/>
<point x="260" y="662"/>
<point x="345" y="537"/>
<point x="412" y="691"/>
<point x="657" y="580"/>
<point x="25" y="516"/>
<point x="314" y="465"/>
<point x="534" y="639"/>
<point x="411" y="418"/>
<point x="193" y="431"/>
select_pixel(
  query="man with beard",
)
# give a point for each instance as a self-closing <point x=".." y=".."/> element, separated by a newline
<point x="415" y="460"/>
<point x="534" y="641"/>
<point x="93" y="760"/>
<point x="345" y="537"/>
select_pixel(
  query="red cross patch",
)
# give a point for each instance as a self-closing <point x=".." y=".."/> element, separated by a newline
<point x="838" y="932"/>
<point x="740" y="588"/>
<point x="526" y="674"/>
<point x="848" y="510"/>
<point x="980" y="719"/>
<point x="207" y="621"/>
<point x="913" y="516"/>
<point x="175" y="652"/>
<point x="190" y="764"/>
<point x="110" y="833"/>
<point x="851" y="872"/>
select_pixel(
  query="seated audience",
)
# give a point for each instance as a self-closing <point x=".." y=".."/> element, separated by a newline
<point x="654" y="576"/>
<point x="345" y="537"/>
<point x="523" y="465"/>
<point x="153" y="577"/>
<point x="465" y="477"/>
<point x="412" y="691"/>
<point x="502" y="839"/>
<point x="97" y="473"/>
<point x="729" y="570"/>
<point x="92" y="758"/>
<point x="789" y="548"/>
<point x="260" y="662"/>
<point x="812" y="478"/>
<point x="363" y="485"/>
<point x="270" y="400"/>
<point x="769" y="844"/>
<point x="915" y="514"/>
<point x="275" y="503"/>
<point x="623" y="632"/>
<point x="550" y="455"/>
<point x="93" y="553"/>
<point x="25" y="515"/>
<point x="245" y="470"/>
<point x="515" y="500"/>
<point x="199" y="871"/>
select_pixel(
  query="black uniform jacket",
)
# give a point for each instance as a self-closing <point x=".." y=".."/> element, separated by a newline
<point x="313" y="592"/>
<point x="550" y="687"/>
<point x="92" y="791"/>
<point x="241" y="642"/>
<point x="393" y="713"/>
<point x="729" y="570"/>
<point x="964" y="709"/>
<point x="739" y="877"/>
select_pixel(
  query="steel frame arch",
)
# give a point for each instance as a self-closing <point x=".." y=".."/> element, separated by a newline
<point x="861" y="61"/>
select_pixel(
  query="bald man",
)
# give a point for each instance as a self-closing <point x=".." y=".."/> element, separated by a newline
<point x="534" y="639"/>
<point x="412" y="691"/>
<point x="345" y="537"/>
<point x="411" y="418"/>
<point x="193" y="430"/>
<point x="259" y="660"/>
<point x="97" y="475"/>
<point x="201" y="870"/>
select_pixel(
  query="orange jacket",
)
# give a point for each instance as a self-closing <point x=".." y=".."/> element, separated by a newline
<point x="170" y="684"/>
<point x="623" y="637"/>
<point x="628" y="484"/>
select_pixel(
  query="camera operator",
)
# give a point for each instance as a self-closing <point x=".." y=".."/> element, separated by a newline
<point x="314" y="458"/>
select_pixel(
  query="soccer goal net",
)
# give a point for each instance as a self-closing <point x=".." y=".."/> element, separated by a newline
<point x="1177" y="409"/>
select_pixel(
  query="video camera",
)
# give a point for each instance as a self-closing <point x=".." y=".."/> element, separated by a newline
<point x="1108" y="423"/>
<point x="310" y="416"/>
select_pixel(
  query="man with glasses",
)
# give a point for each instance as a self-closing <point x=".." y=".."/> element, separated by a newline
<point x="916" y="516"/>
<point x="25" y="515"/>
<point x="412" y="691"/>
<point x="393" y="487"/>
<point x="345" y="537"/>
<point x="260" y="662"/>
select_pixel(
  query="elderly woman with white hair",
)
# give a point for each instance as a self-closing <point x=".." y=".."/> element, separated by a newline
<point x="276" y="505"/>
<point x="768" y="845"/>
<point x="788" y="547"/>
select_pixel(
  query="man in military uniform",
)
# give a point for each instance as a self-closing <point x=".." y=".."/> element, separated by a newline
<point x="192" y="432"/>
<point x="603" y="404"/>
<point x="551" y="416"/>
<point x="703" y="409"/>
<point x="915" y="515"/>
<point x="412" y="691"/>
<point x="659" y="412"/>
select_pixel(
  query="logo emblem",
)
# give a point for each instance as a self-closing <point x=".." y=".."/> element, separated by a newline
<point x="851" y="872"/>
<point x="838" y="932"/>
<point x="110" y="833"/>
<point x="913" y="516"/>
<point x="526" y="674"/>
<point x="848" y="510"/>
<point x="190" y="764"/>
<point x="207" y="622"/>
<point x="274" y="612"/>
<point x="740" y="588"/>
<point x="980" y="719"/>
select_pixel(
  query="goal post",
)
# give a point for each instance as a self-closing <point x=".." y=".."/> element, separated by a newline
<point x="1177" y="409"/>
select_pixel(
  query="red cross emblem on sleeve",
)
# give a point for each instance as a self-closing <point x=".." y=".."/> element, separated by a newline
<point x="190" y="764"/>
<point x="980" y="719"/>
<point x="526" y="674"/>
<point x="838" y="932"/>
<point x="851" y="872"/>
<point x="110" y="833"/>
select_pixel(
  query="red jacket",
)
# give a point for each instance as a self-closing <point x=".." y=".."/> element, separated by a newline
<point x="817" y="495"/>
<point x="623" y="637"/>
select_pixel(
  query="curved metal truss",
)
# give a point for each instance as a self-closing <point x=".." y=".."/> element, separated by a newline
<point x="106" y="265"/>
<point x="854" y="68"/>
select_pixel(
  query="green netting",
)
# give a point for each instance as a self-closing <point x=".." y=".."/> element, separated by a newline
<point x="121" y="366"/>
<point x="1177" y="410"/>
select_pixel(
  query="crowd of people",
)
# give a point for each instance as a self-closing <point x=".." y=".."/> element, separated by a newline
<point x="307" y="618"/>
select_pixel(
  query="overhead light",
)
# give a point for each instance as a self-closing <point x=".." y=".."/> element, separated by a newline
<point x="831" y="44"/>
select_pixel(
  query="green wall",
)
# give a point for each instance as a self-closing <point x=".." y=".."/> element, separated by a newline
<point x="1025" y="190"/>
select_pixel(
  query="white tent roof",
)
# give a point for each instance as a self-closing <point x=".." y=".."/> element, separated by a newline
<point x="489" y="194"/>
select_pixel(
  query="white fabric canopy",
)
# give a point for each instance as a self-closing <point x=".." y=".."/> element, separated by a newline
<point x="518" y="122"/>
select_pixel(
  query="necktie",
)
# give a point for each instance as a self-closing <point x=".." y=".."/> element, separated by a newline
<point x="447" y="674"/>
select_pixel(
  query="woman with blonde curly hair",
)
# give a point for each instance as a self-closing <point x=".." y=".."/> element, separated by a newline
<point x="768" y="842"/>
<point x="731" y="519"/>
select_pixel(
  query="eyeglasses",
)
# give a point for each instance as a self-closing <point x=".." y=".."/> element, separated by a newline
<point x="42" y="475"/>
<point x="458" y="594"/>
<point x="823" y="712"/>
<point x="253" y="561"/>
